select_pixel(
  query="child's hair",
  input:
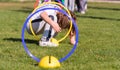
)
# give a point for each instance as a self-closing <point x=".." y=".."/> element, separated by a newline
<point x="64" y="22"/>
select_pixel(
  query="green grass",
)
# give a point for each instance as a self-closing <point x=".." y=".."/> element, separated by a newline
<point x="98" y="48"/>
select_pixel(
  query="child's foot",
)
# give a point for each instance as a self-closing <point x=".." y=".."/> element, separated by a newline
<point x="82" y="12"/>
<point x="47" y="43"/>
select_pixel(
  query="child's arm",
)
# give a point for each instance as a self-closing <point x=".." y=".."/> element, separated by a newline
<point x="46" y="18"/>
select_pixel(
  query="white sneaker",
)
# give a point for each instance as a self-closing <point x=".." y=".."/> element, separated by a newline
<point x="82" y="12"/>
<point x="47" y="43"/>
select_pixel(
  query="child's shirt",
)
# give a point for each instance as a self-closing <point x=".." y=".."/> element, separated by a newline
<point x="48" y="11"/>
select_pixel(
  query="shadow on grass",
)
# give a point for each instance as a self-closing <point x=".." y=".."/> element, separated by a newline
<point x="24" y="10"/>
<point x="19" y="40"/>
<point x="101" y="18"/>
<point x="103" y="8"/>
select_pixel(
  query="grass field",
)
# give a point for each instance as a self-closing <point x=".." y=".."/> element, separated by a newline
<point x="98" y="48"/>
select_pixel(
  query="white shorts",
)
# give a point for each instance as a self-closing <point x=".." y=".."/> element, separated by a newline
<point x="40" y="26"/>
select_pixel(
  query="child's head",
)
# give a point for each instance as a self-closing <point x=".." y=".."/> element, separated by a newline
<point x="64" y="22"/>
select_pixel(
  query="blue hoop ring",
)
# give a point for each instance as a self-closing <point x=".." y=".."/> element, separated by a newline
<point x="25" y="25"/>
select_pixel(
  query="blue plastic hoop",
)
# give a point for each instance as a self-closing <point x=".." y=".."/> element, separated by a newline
<point x="25" y="25"/>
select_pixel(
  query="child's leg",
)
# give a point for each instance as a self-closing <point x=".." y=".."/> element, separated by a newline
<point x="37" y="26"/>
<point x="48" y="33"/>
<point x="71" y="5"/>
<point x="53" y="32"/>
<point x="66" y="3"/>
<point x="48" y="30"/>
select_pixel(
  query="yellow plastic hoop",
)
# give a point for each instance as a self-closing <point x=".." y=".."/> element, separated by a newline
<point x="37" y="38"/>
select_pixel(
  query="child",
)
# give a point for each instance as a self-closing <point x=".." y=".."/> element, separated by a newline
<point x="48" y="23"/>
<point x="82" y="6"/>
<point x="68" y="4"/>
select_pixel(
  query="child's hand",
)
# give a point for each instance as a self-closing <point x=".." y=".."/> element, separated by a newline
<point x="72" y="40"/>
<point x="56" y="27"/>
<point x="46" y="18"/>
